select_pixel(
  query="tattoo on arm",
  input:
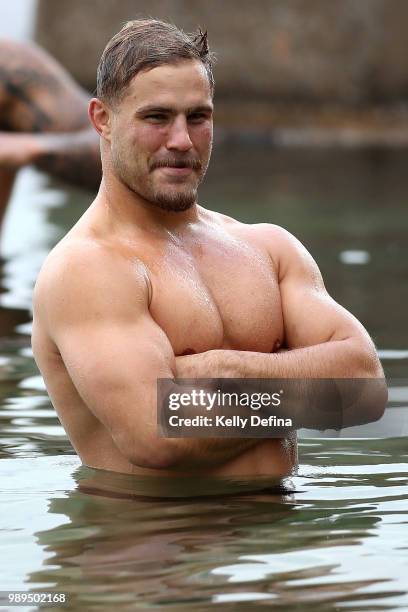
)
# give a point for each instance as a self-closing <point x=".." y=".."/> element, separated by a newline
<point x="17" y="87"/>
<point x="71" y="148"/>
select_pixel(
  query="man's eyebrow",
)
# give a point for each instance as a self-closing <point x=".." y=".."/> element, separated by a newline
<point x="143" y="110"/>
<point x="201" y="108"/>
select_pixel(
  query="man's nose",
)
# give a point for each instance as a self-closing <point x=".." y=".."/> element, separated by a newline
<point x="179" y="137"/>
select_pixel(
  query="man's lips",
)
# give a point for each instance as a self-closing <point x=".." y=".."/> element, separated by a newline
<point x="176" y="171"/>
<point x="173" y="165"/>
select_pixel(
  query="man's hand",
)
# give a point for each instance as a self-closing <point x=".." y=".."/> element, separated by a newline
<point x="202" y="365"/>
<point x="210" y="364"/>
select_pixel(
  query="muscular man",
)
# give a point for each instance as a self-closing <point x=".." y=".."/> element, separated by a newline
<point x="150" y="284"/>
<point x="43" y="120"/>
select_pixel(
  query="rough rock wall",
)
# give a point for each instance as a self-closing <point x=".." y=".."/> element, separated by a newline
<point x="304" y="51"/>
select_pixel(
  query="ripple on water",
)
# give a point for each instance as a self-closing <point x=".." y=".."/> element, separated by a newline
<point x="326" y="542"/>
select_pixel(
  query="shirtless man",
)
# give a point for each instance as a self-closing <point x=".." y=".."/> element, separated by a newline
<point x="149" y="284"/>
<point x="43" y="120"/>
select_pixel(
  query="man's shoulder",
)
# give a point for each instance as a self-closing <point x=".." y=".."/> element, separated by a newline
<point x="285" y="250"/>
<point x="73" y="257"/>
<point x="265" y="231"/>
<point x="276" y="239"/>
<point x="80" y="270"/>
<point x="279" y="241"/>
<point x="272" y="232"/>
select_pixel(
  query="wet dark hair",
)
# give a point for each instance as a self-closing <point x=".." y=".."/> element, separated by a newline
<point x="146" y="43"/>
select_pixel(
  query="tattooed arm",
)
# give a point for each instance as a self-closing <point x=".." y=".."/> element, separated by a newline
<point x="72" y="156"/>
<point x="43" y="117"/>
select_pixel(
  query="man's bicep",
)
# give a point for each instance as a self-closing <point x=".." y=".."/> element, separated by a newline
<point x="311" y="316"/>
<point x="93" y="305"/>
<point x="114" y="366"/>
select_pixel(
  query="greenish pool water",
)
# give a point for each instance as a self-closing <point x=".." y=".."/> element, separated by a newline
<point x="333" y="537"/>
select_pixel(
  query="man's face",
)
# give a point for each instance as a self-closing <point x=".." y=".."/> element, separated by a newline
<point x="161" y="134"/>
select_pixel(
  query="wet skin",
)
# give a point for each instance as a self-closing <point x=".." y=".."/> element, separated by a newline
<point x="149" y="284"/>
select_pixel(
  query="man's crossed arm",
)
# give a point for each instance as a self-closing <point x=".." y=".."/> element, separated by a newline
<point x="94" y="306"/>
<point x="324" y="339"/>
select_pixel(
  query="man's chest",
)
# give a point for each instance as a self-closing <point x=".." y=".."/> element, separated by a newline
<point x="225" y="297"/>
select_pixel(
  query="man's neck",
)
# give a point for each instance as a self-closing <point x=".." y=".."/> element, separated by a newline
<point x="124" y="210"/>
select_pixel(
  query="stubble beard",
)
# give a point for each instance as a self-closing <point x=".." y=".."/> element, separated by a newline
<point x="174" y="198"/>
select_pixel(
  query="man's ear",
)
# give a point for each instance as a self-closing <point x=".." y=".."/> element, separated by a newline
<point x="100" y="116"/>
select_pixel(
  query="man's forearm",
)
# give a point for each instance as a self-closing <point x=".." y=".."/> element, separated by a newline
<point x="72" y="156"/>
<point x="309" y="402"/>
<point x="334" y="359"/>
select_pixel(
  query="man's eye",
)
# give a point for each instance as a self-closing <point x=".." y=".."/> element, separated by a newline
<point x="197" y="117"/>
<point x="156" y="117"/>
